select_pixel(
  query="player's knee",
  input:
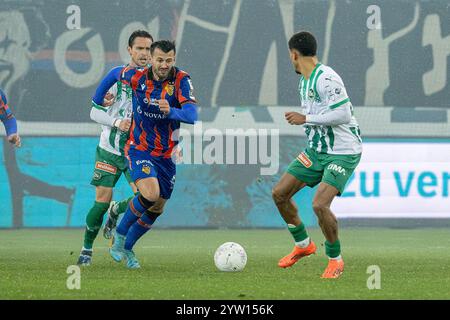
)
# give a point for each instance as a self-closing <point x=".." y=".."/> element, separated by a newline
<point x="278" y="196"/>
<point x="150" y="195"/>
<point x="103" y="194"/>
<point x="156" y="209"/>
<point x="320" y="208"/>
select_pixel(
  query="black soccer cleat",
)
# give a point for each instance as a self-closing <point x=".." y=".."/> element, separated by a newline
<point x="111" y="221"/>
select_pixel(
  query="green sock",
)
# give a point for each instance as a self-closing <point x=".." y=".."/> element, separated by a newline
<point x="94" y="221"/>
<point x="333" y="249"/>
<point x="299" y="232"/>
<point x="122" y="205"/>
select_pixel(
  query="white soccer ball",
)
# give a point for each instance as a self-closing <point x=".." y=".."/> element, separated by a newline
<point x="230" y="256"/>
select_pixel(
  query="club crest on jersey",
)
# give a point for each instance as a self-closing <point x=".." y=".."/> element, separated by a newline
<point x="311" y="93"/>
<point x="304" y="159"/>
<point x="169" y="88"/>
<point x="146" y="169"/>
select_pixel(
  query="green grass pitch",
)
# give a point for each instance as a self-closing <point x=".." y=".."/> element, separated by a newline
<point x="178" y="264"/>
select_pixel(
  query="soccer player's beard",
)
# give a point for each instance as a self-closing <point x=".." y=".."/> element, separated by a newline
<point x="164" y="76"/>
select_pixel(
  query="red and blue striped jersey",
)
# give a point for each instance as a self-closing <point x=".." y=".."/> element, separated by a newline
<point x="5" y="112"/>
<point x="152" y="130"/>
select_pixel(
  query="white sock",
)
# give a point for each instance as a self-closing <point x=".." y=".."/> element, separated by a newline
<point x="336" y="258"/>
<point x="303" y="243"/>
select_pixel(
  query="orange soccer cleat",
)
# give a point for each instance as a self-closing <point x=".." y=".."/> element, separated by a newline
<point x="334" y="269"/>
<point x="296" y="255"/>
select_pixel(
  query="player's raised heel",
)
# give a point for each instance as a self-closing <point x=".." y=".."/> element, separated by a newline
<point x="132" y="262"/>
<point x="111" y="221"/>
<point x="296" y="254"/>
<point x="85" y="258"/>
<point x="117" y="250"/>
<point x="334" y="269"/>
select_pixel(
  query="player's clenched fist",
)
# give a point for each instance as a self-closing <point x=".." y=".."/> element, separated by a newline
<point x="15" y="140"/>
<point x="108" y="101"/>
<point x="125" y="125"/>
<point x="164" y="106"/>
<point x="295" y="118"/>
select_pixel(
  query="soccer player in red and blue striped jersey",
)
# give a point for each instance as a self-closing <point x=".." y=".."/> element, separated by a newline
<point x="9" y="121"/>
<point x="110" y="163"/>
<point x="162" y="99"/>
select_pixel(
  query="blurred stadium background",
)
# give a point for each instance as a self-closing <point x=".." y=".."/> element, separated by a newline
<point x="397" y="77"/>
<point x="236" y="51"/>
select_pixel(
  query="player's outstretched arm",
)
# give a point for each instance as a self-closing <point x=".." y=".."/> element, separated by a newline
<point x="9" y="121"/>
<point x="187" y="114"/>
<point x="335" y="117"/>
<point x="11" y="131"/>
<point x="101" y="117"/>
<point x="99" y="110"/>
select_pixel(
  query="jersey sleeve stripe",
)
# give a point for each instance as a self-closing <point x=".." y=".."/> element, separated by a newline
<point x="315" y="81"/>
<point x="136" y="77"/>
<point x="334" y="106"/>
<point x="99" y="107"/>
<point x="303" y="88"/>
<point x="312" y="77"/>
<point x="187" y="101"/>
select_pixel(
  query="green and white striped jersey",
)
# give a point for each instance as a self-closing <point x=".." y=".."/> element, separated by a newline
<point x="112" y="139"/>
<point x="323" y="92"/>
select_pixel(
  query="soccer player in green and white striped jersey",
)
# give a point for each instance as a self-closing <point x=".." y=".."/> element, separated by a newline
<point x="333" y="152"/>
<point x="110" y="161"/>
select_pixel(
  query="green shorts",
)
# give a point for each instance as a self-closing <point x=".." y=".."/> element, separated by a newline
<point x="312" y="168"/>
<point x="108" y="169"/>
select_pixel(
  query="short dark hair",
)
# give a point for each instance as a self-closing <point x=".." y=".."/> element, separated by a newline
<point x="137" y="34"/>
<point x="304" y="42"/>
<point x="164" y="45"/>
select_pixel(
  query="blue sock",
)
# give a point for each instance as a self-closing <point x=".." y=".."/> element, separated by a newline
<point x="135" y="209"/>
<point x="139" y="228"/>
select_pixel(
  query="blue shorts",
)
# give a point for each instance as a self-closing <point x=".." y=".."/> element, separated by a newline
<point x="143" y="165"/>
